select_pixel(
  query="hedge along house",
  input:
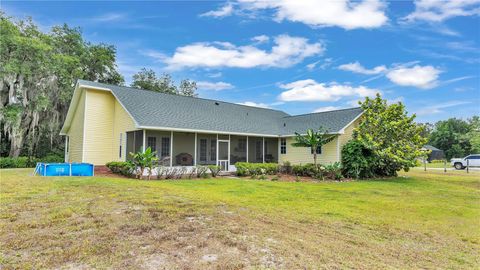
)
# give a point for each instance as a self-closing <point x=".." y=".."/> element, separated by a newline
<point x="105" y="123"/>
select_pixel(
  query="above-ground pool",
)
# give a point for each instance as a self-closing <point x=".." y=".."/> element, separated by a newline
<point x="64" y="169"/>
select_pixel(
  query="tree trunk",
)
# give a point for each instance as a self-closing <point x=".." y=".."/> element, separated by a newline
<point x="315" y="157"/>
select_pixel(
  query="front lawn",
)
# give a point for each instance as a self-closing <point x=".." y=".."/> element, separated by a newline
<point x="418" y="220"/>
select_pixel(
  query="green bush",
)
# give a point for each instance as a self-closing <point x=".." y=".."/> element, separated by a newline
<point x="357" y="160"/>
<point x="333" y="171"/>
<point x="214" y="170"/>
<point x="19" y="162"/>
<point x="52" y="158"/>
<point x="253" y="169"/>
<point x="121" y="167"/>
<point x="307" y="170"/>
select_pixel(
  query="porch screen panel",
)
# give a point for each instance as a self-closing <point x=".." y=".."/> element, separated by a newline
<point x="271" y="150"/>
<point x="138" y="141"/>
<point x="255" y="149"/>
<point x="130" y="144"/>
<point x="183" y="148"/>
<point x="159" y="141"/>
<point x="206" y="149"/>
<point x="238" y="149"/>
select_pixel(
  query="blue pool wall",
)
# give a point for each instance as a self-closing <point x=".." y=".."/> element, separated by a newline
<point x="65" y="169"/>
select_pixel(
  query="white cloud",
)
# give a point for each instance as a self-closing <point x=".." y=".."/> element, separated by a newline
<point x="310" y="90"/>
<point x="418" y="76"/>
<point x="438" y="11"/>
<point x="326" y="63"/>
<point x="327" y="108"/>
<point x="286" y="52"/>
<point x="214" y="75"/>
<point x="254" y="104"/>
<point x="215" y="86"/>
<point x="109" y="17"/>
<point x="438" y="108"/>
<point x="357" y="68"/>
<point x="342" y="13"/>
<point x="261" y="39"/>
<point x="224" y="11"/>
<point x="157" y="56"/>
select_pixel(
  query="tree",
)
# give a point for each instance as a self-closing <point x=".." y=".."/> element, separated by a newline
<point x="393" y="137"/>
<point x="457" y="137"/>
<point x="313" y="140"/>
<point x="144" y="160"/>
<point x="147" y="79"/>
<point x="37" y="76"/>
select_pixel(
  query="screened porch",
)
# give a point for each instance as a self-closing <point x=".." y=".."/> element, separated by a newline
<point x="175" y="148"/>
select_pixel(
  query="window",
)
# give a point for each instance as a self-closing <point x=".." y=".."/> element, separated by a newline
<point x="152" y="143"/>
<point x="213" y="150"/>
<point x="319" y="150"/>
<point x="165" y="147"/>
<point x="120" y="146"/>
<point x="203" y="149"/>
<point x="283" y="146"/>
<point x="67" y="142"/>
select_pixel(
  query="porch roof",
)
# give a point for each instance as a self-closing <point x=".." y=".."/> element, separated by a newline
<point x="158" y="110"/>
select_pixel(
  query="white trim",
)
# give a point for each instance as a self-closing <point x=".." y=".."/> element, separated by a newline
<point x="247" y="149"/>
<point x="228" y="151"/>
<point x="195" y="152"/>
<point x="84" y="129"/>
<point x="216" y="149"/>
<point x="66" y="148"/>
<point x="263" y="149"/>
<point x="207" y="131"/>
<point x="171" y="148"/>
<point x="342" y="131"/>
<point x="144" y="140"/>
<point x="338" y="148"/>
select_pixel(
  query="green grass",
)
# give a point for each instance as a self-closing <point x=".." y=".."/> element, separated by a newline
<point x="418" y="220"/>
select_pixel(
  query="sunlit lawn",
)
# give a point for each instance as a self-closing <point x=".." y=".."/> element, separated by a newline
<point x="418" y="220"/>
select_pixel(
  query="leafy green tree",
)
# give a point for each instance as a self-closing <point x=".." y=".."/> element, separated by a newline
<point x="393" y="137"/>
<point x="37" y="76"/>
<point x="313" y="140"/>
<point x="147" y="79"/>
<point x="457" y="137"/>
<point x="144" y="161"/>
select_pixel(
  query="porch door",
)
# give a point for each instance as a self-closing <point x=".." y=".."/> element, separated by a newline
<point x="223" y="155"/>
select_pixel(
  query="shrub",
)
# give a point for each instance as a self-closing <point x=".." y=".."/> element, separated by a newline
<point x="334" y="171"/>
<point x="52" y="158"/>
<point x="202" y="171"/>
<point x="253" y="169"/>
<point x="214" y="169"/>
<point x="358" y="161"/>
<point x="286" y="167"/>
<point x="18" y="162"/>
<point x="121" y="167"/>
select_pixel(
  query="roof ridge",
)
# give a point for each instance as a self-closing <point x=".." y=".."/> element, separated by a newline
<point x="207" y="99"/>
<point x="313" y="113"/>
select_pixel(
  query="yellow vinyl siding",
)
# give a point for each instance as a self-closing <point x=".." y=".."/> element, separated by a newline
<point x="99" y="118"/>
<point x="122" y="123"/>
<point x="303" y="155"/>
<point x="75" y="132"/>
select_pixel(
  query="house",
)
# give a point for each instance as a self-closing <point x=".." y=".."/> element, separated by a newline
<point x="434" y="153"/>
<point x="106" y="122"/>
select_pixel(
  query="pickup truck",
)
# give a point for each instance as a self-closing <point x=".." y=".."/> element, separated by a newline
<point x="461" y="163"/>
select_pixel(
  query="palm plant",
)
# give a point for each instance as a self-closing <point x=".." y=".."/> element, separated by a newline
<point x="144" y="160"/>
<point x="313" y="140"/>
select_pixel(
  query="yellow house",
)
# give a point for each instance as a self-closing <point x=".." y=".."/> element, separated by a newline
<point x="107" y="122"/>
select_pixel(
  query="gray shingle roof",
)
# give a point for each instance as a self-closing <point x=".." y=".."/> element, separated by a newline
<point x="152" y="109"/>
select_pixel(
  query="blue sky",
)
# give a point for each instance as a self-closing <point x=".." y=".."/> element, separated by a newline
<point x="295" y="56"/>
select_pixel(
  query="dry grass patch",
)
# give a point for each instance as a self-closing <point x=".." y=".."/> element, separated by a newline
<point x="422" y="220"/>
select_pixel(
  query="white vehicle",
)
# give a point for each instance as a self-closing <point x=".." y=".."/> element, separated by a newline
<point x="461" y="163"/>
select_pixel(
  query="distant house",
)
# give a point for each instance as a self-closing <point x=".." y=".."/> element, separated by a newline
<point x="435" y="153"/>
<point x="107" y="122"/>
